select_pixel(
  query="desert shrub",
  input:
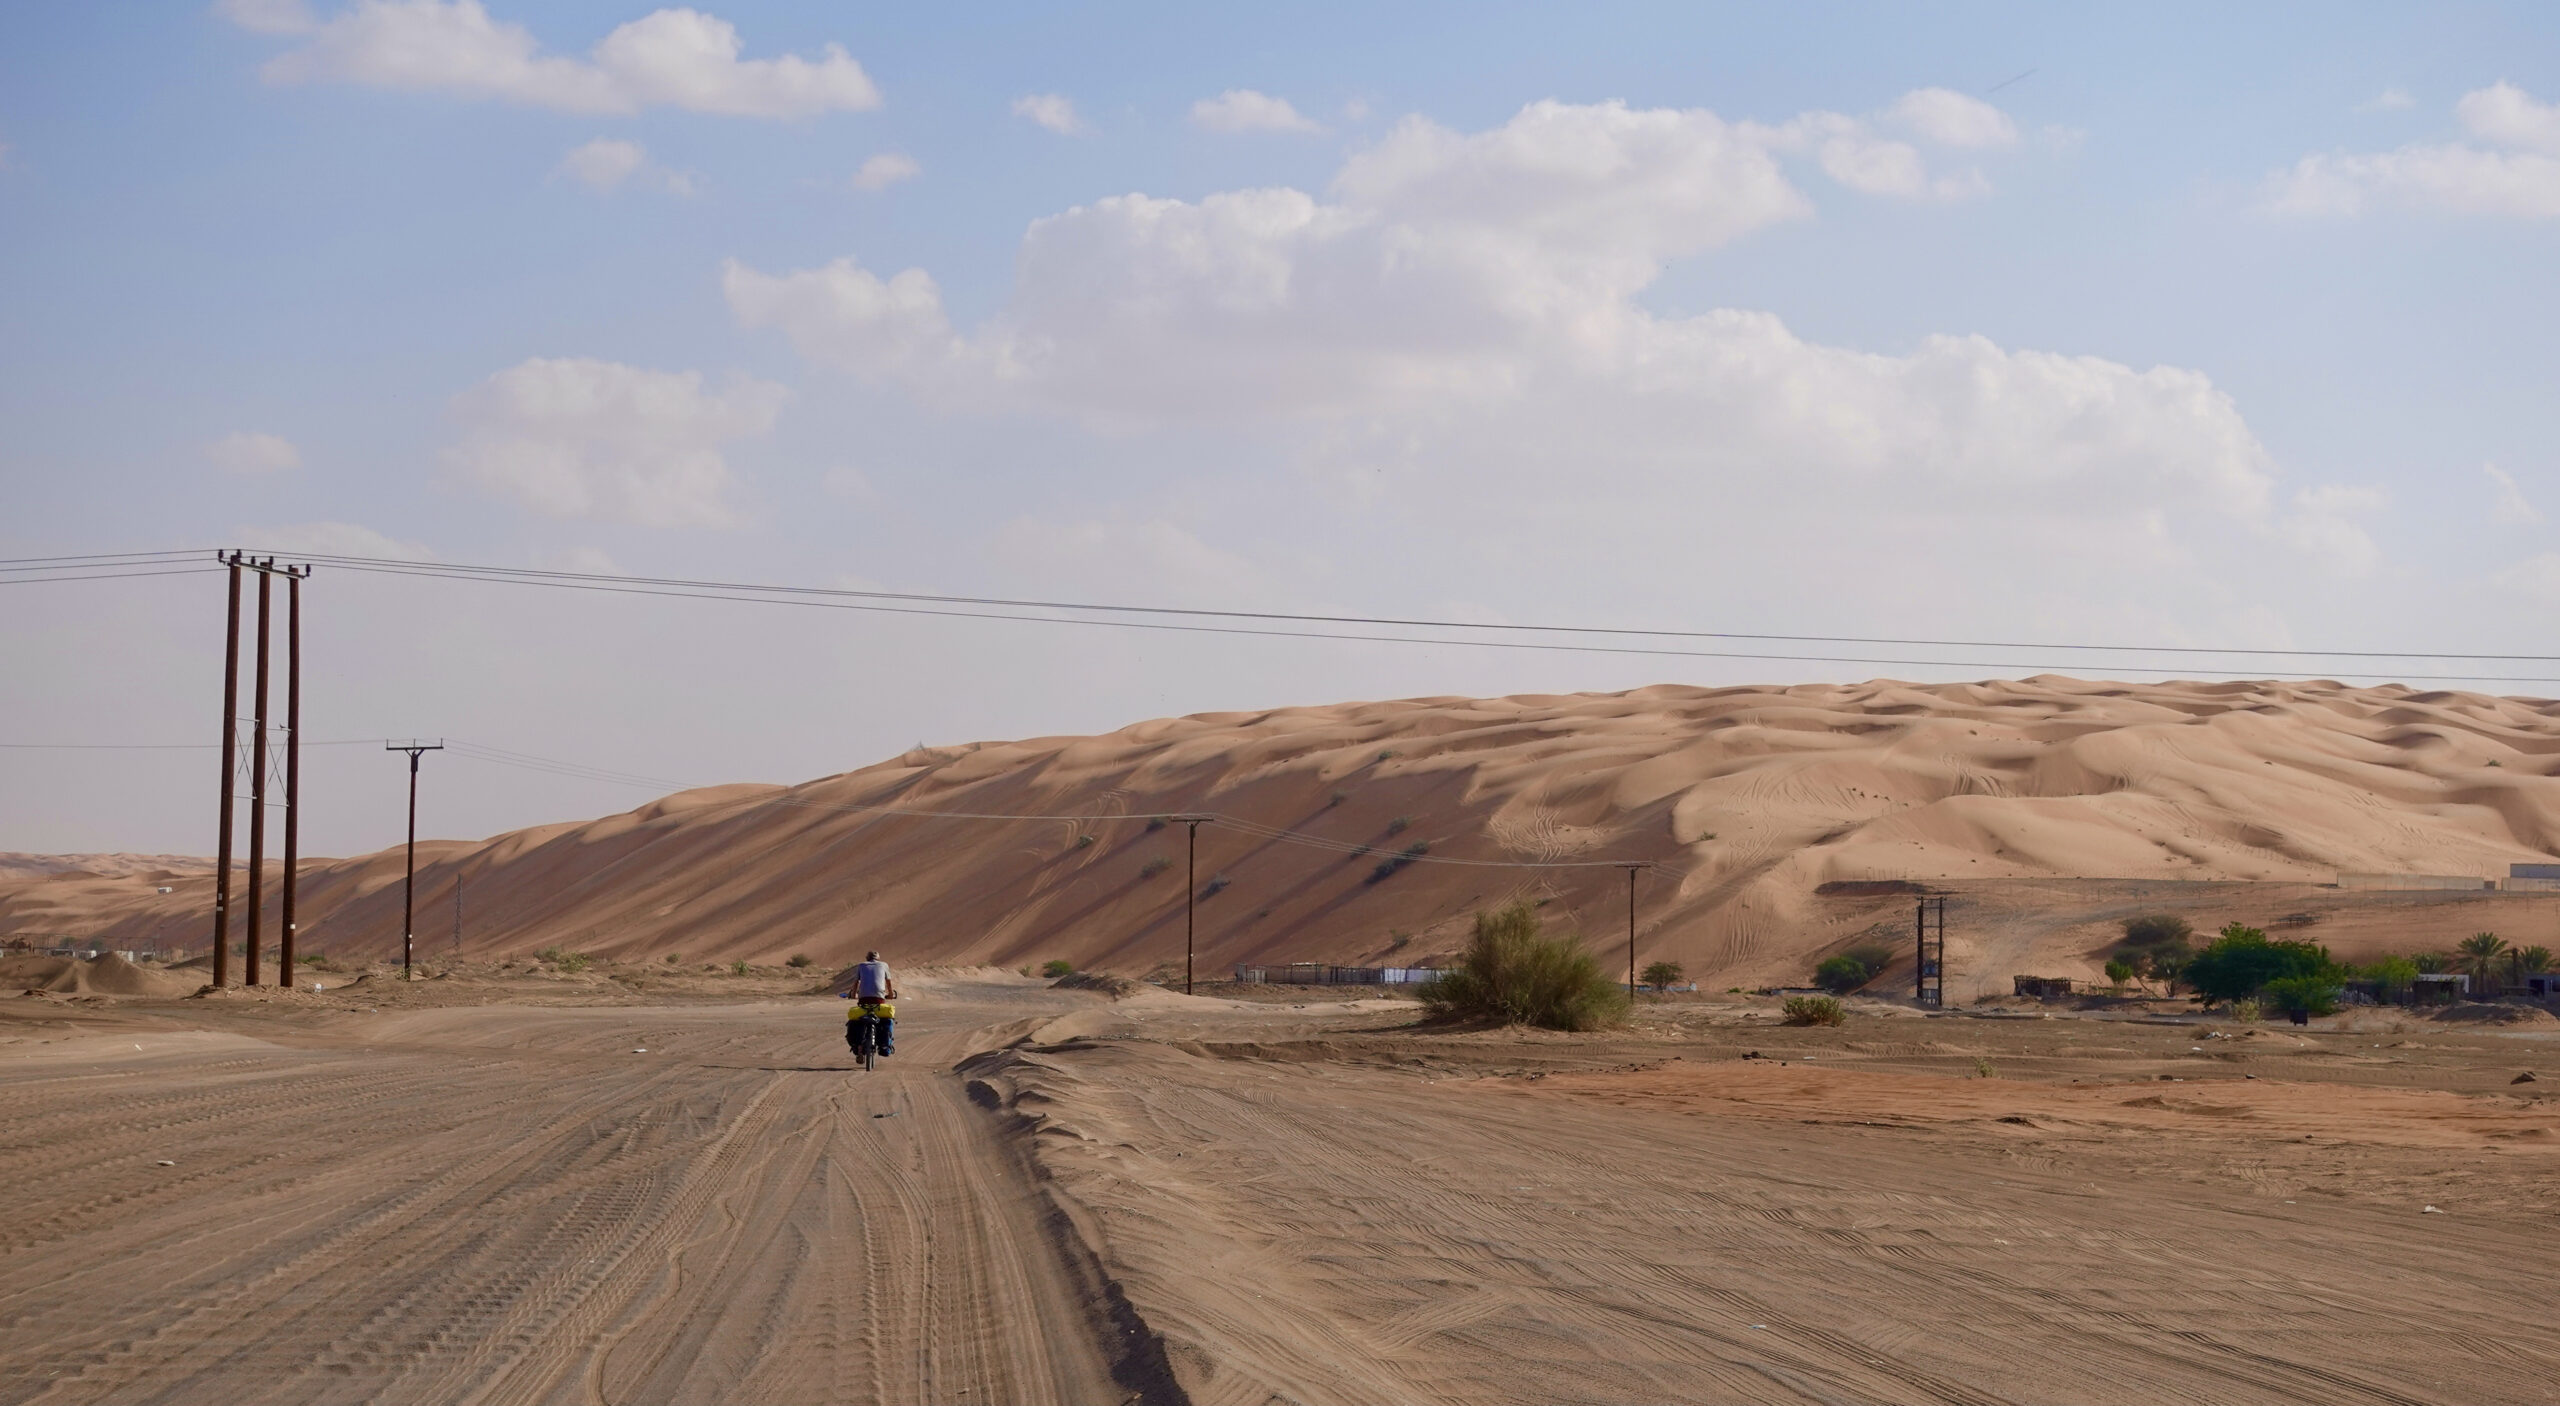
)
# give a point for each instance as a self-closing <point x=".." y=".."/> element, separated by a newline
<point x="1155" y="823"/>
<point x="2157" y="930"/>
<point x="1057" y="967"/>
<point x="2393" y="974"/>
<point x="803" y="959"/>
<point x="2305" y="995"/>
<point x="1847" y="971"/>
<point x="2118" y="973"/>
<point x="1982" y="1068"/>
<point x="1840" y="975"/>
<point x="1085" y="840"/>
<point x="2241" y="960"/>
<point x="1814" y="1010"/>
<point x="1513" y="972"/>
<point x="1387" y="755"/>
<point x="738" y="967"/>
<point x="1398" y="825"/>
<point x="1154" y="867"/>
<point x="1663" y="974"/>
<point x="312" y="959"/>
<point x="565" y="960"/>
<point x="1338" y="798"/>
<point x="2246" y="1010"/>
<point x="1394" y="862"/>
<point x="675" y="958"/>
<point x="1215" y="884"/>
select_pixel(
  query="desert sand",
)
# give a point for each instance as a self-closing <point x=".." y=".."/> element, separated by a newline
<point x="2221" y="800"/>
<point x="511" y="1186"/>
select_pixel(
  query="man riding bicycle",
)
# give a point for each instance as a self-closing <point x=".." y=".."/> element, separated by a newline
<point x="874" y="995"/>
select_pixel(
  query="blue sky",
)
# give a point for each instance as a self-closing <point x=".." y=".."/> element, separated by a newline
<point x="2176" y="326"/>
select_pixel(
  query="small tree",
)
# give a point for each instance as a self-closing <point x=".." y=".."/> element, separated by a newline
<point x="803" y="959"/>
<point x="1057" y="967"/>
<point x="2303" y="995"/>
<point x="2478" y="955"/>
<point x="2118" y="973"/>
<point x="1852" y="969"/>
<point x="2393" y="974"/>
<point x="1514" y="973"/>
<point x="2154" y="930"/>
<point x="1663" y="975"/>
<point x="2241" y="960"/>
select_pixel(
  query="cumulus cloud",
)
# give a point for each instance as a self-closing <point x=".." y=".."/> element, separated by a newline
<point x="247" y="453"/>
<point x="1950" y="118"/>
<point x="669" y="58"/>
<point x="606" y="162"/>
<point x="2515" y="174"/>
<point x="337" y="539"/>
<point x="1460" y="315"/>
<point x="1055" y="111"/>
<point x="1244" y="110"/>
<point x="2389" y="100"/>
<point x="2325" y="526"/>
<point x="885" y="170"/>
<point x="580" y="438"/>
<point x="2511" y="506"/>
<point x="269" y="16"/>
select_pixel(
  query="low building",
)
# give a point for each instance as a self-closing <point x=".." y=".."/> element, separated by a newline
<point x="2042" y="988"/>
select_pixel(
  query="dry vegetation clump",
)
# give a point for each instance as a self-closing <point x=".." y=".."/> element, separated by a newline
<point x="1513" y="973"/>
<point x="1814" y="1010"/>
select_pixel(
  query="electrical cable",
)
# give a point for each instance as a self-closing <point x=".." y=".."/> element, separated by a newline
<point x="110" y="575"/>
<point x="601" y="585"/>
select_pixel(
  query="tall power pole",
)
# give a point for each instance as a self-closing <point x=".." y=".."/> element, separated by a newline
<point x="1631" y="929"/>
<point x="409" y="890"/>
<point x="292" y="769"/>
<point x="259" y="753"/>
<point x="1191" y="896"/>
<point x="258" y="791"/>
<point x="230" y="779"/>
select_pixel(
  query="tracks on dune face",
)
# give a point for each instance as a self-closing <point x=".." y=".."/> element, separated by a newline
<point x="534" y="1213"/>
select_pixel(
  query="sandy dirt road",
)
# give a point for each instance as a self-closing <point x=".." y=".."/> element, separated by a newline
<point x="2129" y="1214"/>
<point x="512" y="1205"/>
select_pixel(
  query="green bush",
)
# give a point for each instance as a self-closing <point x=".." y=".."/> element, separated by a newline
<point x="2393" y="974"/>
<point x="1154" y="867"/>
<point x="2154" y="930"/>
<point x="2241" y="961"/>
<point x="1397" y="826"/>
<point x="1814" y="1010"/>
<point x="2306" y="995"/>
<point x="1840" y="975"/>
<point x="1849" y="970"/>
<point x="738" y="967"/>
<point x="803" y="959"/>
<point x="566" y="961"/>
<point x="2118" y="973"/>
<point x="1394" y="862"/>
<point x="1057" y="967"/>
<point x="1514" y="973"/>
<point x="1663" y="974"/>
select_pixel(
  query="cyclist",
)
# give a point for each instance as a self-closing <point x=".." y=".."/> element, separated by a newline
<point x="875" y="994"/>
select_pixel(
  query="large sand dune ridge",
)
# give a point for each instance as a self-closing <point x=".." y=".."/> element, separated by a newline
<point x="1748" y="800"/>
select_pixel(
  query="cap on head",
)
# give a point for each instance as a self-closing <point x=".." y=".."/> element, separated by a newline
<point x="871" y="956"/>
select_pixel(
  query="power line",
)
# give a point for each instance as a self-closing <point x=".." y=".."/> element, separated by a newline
<point x="527" y="575"/>
<point x="775" y="595"/>
<point x="107" y="575"/>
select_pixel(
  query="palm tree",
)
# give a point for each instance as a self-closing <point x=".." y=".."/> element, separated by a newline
<point x="2528" y="961"/>
<point x="2479" y="956"/>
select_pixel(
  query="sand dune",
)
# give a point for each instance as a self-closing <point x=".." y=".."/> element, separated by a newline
<point x="1750" y="800"/>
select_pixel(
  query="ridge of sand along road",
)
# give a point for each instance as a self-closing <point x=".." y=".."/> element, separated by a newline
<point x="512" y="1205"/>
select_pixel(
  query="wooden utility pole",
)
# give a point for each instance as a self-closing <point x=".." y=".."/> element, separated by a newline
<point x="258" y="791"/>
<point x="230" y="778"/>
<point x="1191" y="896"/>
<point x="292" y="770"/>
<point x="409" y="889"/>
<point x="1631" y="929"/>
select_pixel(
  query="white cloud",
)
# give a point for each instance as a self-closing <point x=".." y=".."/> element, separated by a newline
<point x="606" y="162"/>
<point x="885" y="170"/>
<point x="1131" y="559"/>
<point x="248" y="453"/>
<point x="1950" y="118"/>
<point x="579" y="438"/>
<point x="1244" y="110"/>
<point x="2449" y="177"/>
<point x="2323" y="526"/>
<point x="2536" y="580"/>
<point x="269" y="16"/>
<point x="2511" y="506"/>
<point x="2389" y="100"/>
<point x="1459" y="317"/>
<point x="2507" y="115"/>
<point x="670" y="58"/>
<point x="588" y="561"/>
<point x="1054" y="111"/>
<point x="337" y="539"/>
